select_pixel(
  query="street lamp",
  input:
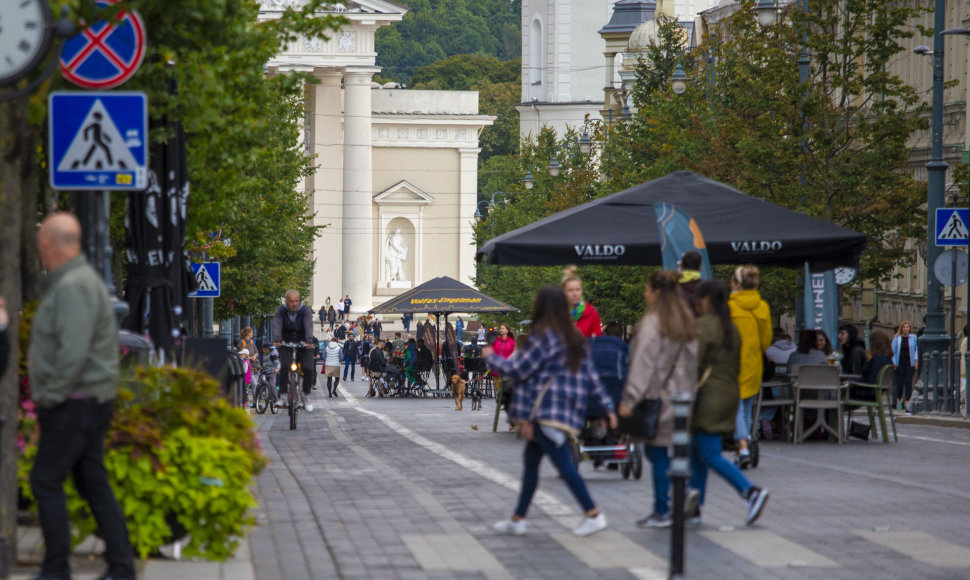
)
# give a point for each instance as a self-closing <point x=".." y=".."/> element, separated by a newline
<point x="528" y="182"/>
<point x="554" y="167"/>
<point x="585" y="143"/>
<point x="678" y="82"/>
<point x="767" y="13"/>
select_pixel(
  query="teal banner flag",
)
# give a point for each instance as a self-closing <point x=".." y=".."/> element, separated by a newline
<point x="679" y="234"/>
<point x="822" y="303"/>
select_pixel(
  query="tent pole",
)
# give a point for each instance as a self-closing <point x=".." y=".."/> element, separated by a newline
<point x="437" y="346"/>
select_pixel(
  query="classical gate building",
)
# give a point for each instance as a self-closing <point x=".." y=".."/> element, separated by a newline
<point x="397" y="170"/>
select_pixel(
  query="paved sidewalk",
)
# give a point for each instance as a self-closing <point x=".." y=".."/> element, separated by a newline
<point x="87" y="562"/>
<point x="408" y="488"/>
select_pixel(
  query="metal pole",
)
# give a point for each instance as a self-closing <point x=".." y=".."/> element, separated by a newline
<point x="954" y="366"/>
<point x="679" y="472"/>
<point x="935" y="338"/>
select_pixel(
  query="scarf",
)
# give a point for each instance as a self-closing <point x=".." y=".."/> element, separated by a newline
<point x="578" y="311"/>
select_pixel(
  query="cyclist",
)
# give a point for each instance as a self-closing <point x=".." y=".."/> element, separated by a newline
<point x="293" y="322"/>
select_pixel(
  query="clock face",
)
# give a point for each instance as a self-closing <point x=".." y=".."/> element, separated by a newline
<point x="844" y="275"/>
<point x="25" y="34"/>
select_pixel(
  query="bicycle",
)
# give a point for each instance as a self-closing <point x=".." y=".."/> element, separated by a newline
<point x="293" y="384"/>
<point x="262" y="396"/>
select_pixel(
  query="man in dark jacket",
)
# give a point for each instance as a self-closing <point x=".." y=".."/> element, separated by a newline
<point x="293" y="322"/>
<point x="377" y="328"/>
<point x="73" y="364"/>
<point x="350" y="357"/>
<point x="611" y="357"/>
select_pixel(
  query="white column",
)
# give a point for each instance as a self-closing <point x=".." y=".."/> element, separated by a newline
<point x="467" y="198"/>
<point x="358" y="189"/>
<point x="327" y="182"/>
<point x="610" y="64"/>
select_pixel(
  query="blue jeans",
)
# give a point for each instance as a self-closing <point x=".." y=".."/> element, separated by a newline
<point x="660" y="465"/>
<point x="351" y="364"/>
<point x="742" y="423"/>
<point x="534" y="450"/>
<point x="705" y="452"/>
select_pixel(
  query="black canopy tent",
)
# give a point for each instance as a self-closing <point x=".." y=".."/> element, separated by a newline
<point x="442" y="296"/>
<point x="620" y="229"/>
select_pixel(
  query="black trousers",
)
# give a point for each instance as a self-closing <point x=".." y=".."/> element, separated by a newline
<point x="305" y="358"/>
<point x="72" y="442"/>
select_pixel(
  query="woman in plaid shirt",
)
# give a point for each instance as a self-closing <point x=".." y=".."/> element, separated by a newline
<point x="557" y="376"/>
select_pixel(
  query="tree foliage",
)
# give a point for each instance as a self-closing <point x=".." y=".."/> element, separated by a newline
<point x="435" y="29"/>
<point x="242" y="134"/>
<point x="833" y="147"/>
<point x="498" y="86"/>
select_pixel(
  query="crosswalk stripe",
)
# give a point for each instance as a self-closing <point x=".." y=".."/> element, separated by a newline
<point x="767" y="549"/>
<point x="610" y="549"/>
<point x="454" y="552"/>
<point x="920" y="546"/>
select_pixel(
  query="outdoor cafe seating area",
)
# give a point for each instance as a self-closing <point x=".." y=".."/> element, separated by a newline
<point x="812" y="401"/>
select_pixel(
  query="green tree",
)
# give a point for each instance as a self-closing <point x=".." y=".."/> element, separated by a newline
<point x="834" y="147"/>
<point x="435" y="29"/>
<point x="498" y="85"/>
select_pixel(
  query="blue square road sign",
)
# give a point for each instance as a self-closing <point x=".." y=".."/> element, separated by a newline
<point x="98" y="140"/>
<point x="951" y="226"/>
<point x="208" y="280"/>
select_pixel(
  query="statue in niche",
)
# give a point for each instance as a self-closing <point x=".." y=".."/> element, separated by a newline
<point x="394" y="256"/>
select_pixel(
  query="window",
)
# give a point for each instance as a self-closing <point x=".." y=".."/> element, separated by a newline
<point x="535" y="59"/>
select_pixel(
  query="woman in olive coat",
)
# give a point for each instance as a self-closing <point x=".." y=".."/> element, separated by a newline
<point x="716" y="402"/>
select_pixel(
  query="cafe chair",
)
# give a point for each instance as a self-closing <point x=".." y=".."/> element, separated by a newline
<point x="776" y="394"/>
<point x="818" y="387"/>
<point x="875" y="398"/>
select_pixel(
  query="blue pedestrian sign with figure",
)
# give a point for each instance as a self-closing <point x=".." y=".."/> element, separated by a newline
<point x="98" y="140"/>
<point x="207" y="280"/>
<point x="951" y="226"/>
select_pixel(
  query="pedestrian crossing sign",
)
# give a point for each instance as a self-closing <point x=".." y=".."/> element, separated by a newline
<point x="951" y="226"/>
<point x="98" y="140"/>
<point x="208" y="280"/>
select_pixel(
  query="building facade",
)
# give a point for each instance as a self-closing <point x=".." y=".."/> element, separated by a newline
<point x="396" y="179"/>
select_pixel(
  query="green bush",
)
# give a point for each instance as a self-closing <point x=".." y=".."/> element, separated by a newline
<point x="178" y="455"/>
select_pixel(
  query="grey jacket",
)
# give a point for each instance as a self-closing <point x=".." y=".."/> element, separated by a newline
<point x="651" y="358"/>
<point x="74" y="338"/>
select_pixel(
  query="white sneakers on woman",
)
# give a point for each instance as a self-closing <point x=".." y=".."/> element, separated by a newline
<point x="510" y="527"/>
<point x="591" y="525"/>
<point x="588" y="527"/>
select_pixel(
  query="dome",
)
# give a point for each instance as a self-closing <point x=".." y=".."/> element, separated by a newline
<point x="642" y="35"/>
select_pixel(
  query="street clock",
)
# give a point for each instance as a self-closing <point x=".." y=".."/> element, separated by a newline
<point x="25" y="36"/>
<point x="844" y="275"/>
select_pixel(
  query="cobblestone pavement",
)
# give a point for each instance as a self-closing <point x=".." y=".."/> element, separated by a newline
<point x="409" y="488"/>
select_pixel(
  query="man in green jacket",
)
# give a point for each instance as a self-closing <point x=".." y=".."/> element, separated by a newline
<point x="73" y="378"/>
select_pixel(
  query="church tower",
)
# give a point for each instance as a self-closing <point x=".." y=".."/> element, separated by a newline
<point x="562" y="63"/>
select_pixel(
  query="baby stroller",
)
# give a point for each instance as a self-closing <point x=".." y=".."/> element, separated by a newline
<point x="604" y="446"/>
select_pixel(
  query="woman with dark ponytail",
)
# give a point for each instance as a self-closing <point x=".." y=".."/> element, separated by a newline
<point x="716" y="404"/>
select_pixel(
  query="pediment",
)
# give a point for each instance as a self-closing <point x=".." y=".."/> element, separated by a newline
<point x="402" y="193"/>
<point x="340" y="6"/>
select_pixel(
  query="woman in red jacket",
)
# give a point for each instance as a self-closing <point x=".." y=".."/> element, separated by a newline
<point x="584" y="315"/>
<point x="504" y="345"/>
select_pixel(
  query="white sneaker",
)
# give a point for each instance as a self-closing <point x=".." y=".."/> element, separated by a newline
<point x="591" y="525"/>
<point x="510" y="527"/>
<point x="309" y="407"/>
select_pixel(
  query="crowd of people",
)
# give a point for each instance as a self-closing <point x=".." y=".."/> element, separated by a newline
<point x="696" y="336"/>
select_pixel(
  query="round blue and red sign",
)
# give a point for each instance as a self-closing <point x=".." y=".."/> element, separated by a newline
<point x="105" y="54"/>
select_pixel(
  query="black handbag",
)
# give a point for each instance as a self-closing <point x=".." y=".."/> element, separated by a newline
<point x="642" y="424"/>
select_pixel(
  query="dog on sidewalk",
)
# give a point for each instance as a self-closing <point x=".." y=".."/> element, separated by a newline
<point x="476" y="395"/>
<point x="458" y="391"/>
